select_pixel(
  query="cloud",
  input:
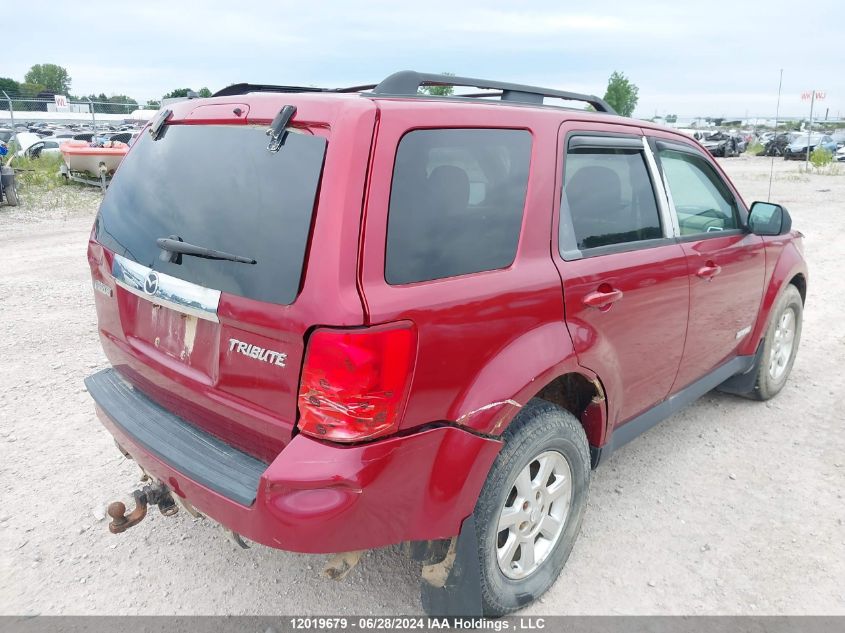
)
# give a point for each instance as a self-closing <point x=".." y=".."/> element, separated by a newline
<point x="534" y="23"/>
<point x="682" y="57"/>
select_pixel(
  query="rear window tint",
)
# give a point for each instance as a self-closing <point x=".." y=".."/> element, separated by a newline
<point x="217" y="186"/>
<point x="456" y="202"/>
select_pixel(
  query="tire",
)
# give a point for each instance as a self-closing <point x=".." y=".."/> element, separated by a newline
<point x="771" y="381"/>
<point x="543" y="430"/>
<point x="11" y="193"/>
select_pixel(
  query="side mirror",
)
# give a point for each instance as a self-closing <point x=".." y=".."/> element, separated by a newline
<point x="766" y="218"/>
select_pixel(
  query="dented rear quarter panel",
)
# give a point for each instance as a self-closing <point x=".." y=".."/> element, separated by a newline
<point x="488" y="340"/>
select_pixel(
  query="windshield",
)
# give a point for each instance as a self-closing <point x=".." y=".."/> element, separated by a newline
<point x="217" y="187"/>
<point x="802" y="139"/>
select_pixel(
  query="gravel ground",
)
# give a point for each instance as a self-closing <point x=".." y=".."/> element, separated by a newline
<point x="730" y="507"/>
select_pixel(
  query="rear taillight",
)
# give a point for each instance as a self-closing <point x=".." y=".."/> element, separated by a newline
<point x="355" y="382"/>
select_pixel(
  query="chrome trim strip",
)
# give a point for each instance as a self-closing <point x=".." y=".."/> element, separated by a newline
<point x="665" y="206"/>
<point x="166" y="290"/>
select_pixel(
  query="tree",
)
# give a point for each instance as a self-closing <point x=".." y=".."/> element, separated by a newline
<point x="176" y="94"/>
<point x="671" y="118"/>
<point x="123" y="99"/>
<point x="53" y="78"/>
<point x="30" y="90"/>
<point x="204" y="92"/>
<point x="621" y="94"/>
<point x="115" y="104"/>
<point x="9" y="86"/>
<point x="438" y="91"/>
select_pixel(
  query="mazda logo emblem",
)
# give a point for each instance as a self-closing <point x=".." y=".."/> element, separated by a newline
<point x="151" y="283"/>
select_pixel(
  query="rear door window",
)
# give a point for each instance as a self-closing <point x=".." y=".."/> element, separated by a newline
<point x="456" y="202"/>
<point x="608" y="199"/>
<point x="218" y="187"/>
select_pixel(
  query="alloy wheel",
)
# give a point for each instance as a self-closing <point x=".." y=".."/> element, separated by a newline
<point x="534" y="514"/>
<point x="782" y="344"/>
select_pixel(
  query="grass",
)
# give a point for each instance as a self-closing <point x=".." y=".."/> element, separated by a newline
<point x="830" y="169"/>
<point x="820" y="157"/>
<point x="754" y="149"/>
<point x="40" y="172"/>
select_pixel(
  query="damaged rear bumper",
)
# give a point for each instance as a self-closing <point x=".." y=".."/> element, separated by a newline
<point x="314" y="497"/>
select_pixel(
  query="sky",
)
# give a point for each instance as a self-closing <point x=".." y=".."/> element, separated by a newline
<point x="714" y="58"/>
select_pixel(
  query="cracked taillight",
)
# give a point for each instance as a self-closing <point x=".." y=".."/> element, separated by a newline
<point x="355" y="382"/>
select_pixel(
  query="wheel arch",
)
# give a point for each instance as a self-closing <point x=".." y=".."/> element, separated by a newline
<point x="539" y="364"/>
<point x="584" y="398"/>
<point x="788" y="269"/>
<point x="799" y="280"/>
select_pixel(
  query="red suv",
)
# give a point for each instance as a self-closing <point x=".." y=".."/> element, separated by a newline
<point x="343" y="319"/>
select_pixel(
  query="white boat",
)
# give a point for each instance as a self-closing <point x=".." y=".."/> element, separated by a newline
<point x="82" y="157"/>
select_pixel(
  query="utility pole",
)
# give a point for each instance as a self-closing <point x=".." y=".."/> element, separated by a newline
<point x="93" y="118"/>
<point x="11" y="113"/>
<point x="809" y="131"/>
<point x="815" y="94"/>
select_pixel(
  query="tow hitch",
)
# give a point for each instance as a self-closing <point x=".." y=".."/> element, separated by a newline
<point x="155" y="494"/>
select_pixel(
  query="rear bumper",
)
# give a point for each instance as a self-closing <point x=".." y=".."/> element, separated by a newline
<point x="314" y="497"/>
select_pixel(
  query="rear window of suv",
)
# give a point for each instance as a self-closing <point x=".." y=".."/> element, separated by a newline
<point x="217" y="186"/>
<point x="456" y="202"/>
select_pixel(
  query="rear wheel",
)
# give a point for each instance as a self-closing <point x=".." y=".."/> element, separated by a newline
<point x="780" y="345"/>
<point x="531" y="507"/>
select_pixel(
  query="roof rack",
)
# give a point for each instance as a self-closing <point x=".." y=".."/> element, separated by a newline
<point x="408" y="83"/>
<point x="244" y="88"/>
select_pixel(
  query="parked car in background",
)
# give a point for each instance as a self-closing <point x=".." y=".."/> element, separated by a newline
<point x="127" y="137"/>
<point x="32" y="145"/>
<point x="805" y="143"/>
<point x="775" y="144"/>
<point x="724" y="145"/>
<point x="840" y="155"/>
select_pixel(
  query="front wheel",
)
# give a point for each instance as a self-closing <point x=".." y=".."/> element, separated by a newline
<point x="530" y="510"/>
<point x="780" y="345"/>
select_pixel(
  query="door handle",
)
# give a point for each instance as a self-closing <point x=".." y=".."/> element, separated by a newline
<point x="709" y="270"/>
<point x="602" y="298"/>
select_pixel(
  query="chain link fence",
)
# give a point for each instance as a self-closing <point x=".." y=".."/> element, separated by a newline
<point x="17" y="110"/>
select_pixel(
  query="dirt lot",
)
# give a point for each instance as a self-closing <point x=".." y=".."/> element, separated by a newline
<point x="730" y="507"/>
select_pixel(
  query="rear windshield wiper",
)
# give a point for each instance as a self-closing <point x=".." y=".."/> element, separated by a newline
<point x="173" y="248"/>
